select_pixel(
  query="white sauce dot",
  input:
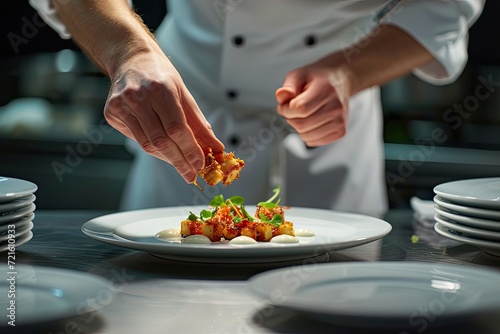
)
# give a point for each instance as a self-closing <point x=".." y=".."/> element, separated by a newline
<point x="169" y="233"/>
<point x="302" y="232"/>
<point x="196" y="239"/>
<point x="284" y="239"/>
<point x="242" y="240"/>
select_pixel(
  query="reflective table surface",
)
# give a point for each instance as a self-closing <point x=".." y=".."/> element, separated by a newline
<point x="154" y="295"/>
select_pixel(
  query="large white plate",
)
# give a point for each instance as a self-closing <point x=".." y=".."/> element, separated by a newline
<point x="334" y="231"/>
<point x="382" y="294"/>
<point x="12" y="189"/>
<point x="468" y="231"/>
<point x="46" y="294"/>
<point x="469" y="221"/>
<point x="490" y="247"/>
<point x="481" y="193"/>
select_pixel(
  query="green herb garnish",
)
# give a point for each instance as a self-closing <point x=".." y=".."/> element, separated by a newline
<point x="247" y="215"/>
<point x="192" y="217"/>
<point x="277" y="220"/>
<point x="264" y="218"/>
<point x="205" y="214"/>
<point x="236" y="203"/>
<point x="236" y="200"/>
<point x="269" y="204"/>
<point x="217" y="201"/>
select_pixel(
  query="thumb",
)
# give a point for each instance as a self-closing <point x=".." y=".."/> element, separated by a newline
<point x="284" y="95"/>
<point x="290" y="89"/>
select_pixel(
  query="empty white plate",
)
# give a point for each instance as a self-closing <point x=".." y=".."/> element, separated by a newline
<point x="12" y="189"/>
<point x="47" y="294"/>
<point x="20" y="223"/>
<point x="469" y="221"/>
<point x="490" y="247"/>
<point x="468" y="231"/>
<point x="16" y="204"/>
<point x="18" y="214"/>
<point x="481" y="193"/>
<point x="468" y="210"/>
<point x="382" y="294"/>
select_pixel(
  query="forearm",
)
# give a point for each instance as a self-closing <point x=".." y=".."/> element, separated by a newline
<point x="385" y="55"/>
<point x="108" y="31"/>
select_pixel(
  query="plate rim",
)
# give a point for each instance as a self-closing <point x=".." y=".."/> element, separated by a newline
<point x="466" y="220"/>
<point x="25" y="239"/>
<point x="17" y="204"/>
<point x="6" y="198"/>
<point x="468" y="200"/>
<point x="488" y="246"/>
<point x="466" y="229"/>
<point x="22" y="221"/>
<point x="24" y="231"/>
<point x="19" y="214"/>
<point x="469" y="211"/>
<point x="234" y="254"/>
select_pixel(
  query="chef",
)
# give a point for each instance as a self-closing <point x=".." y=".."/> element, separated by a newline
<point x="291" y="86"/>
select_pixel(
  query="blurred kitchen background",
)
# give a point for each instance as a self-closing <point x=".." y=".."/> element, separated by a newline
<point x="52" y="97"/>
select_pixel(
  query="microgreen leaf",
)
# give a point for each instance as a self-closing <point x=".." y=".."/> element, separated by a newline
<point x="269" y="202"/>
<point x="236" y="219"/>
<point x="192" y="217"/>
<point x="231" y="204"/>
<point x="237" y="200"/>
<point x="205" y="214"/>
<point x="268" y="205"/>
<point x="264" y="218"/>
<point x="247" y="215"/>
<point x="217" y="201"/>
<point x="277" y="220"/>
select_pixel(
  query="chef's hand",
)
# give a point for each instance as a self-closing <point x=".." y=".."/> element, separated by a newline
<point x="314" y="101"/>
<point x="314" y="98"/>
<point x="149" y="103"/>
<point x="148" y="100"/>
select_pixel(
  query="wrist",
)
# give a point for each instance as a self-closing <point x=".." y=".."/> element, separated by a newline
<point x="341" y="73"/>
<point x="134" y="48"/>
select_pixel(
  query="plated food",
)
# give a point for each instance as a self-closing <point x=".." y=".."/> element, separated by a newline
<point x="221" y="167"/>
<point x="157" y="231"/>
<point x="228" y="219"/>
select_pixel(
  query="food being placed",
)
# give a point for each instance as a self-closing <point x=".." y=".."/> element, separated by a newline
<point x="221" y="167"/>
<point x="229" y="219"/>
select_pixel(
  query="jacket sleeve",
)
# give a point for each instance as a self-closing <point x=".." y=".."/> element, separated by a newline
<point x="48" y="13"/>
<point x="441" y="26"/>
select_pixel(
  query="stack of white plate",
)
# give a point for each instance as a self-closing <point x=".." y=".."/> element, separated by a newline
<point x="469" y="211"/>
<point x="16" y="212"/>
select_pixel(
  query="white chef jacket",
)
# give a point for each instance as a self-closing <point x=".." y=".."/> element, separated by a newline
<point x="234" y="54"/>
